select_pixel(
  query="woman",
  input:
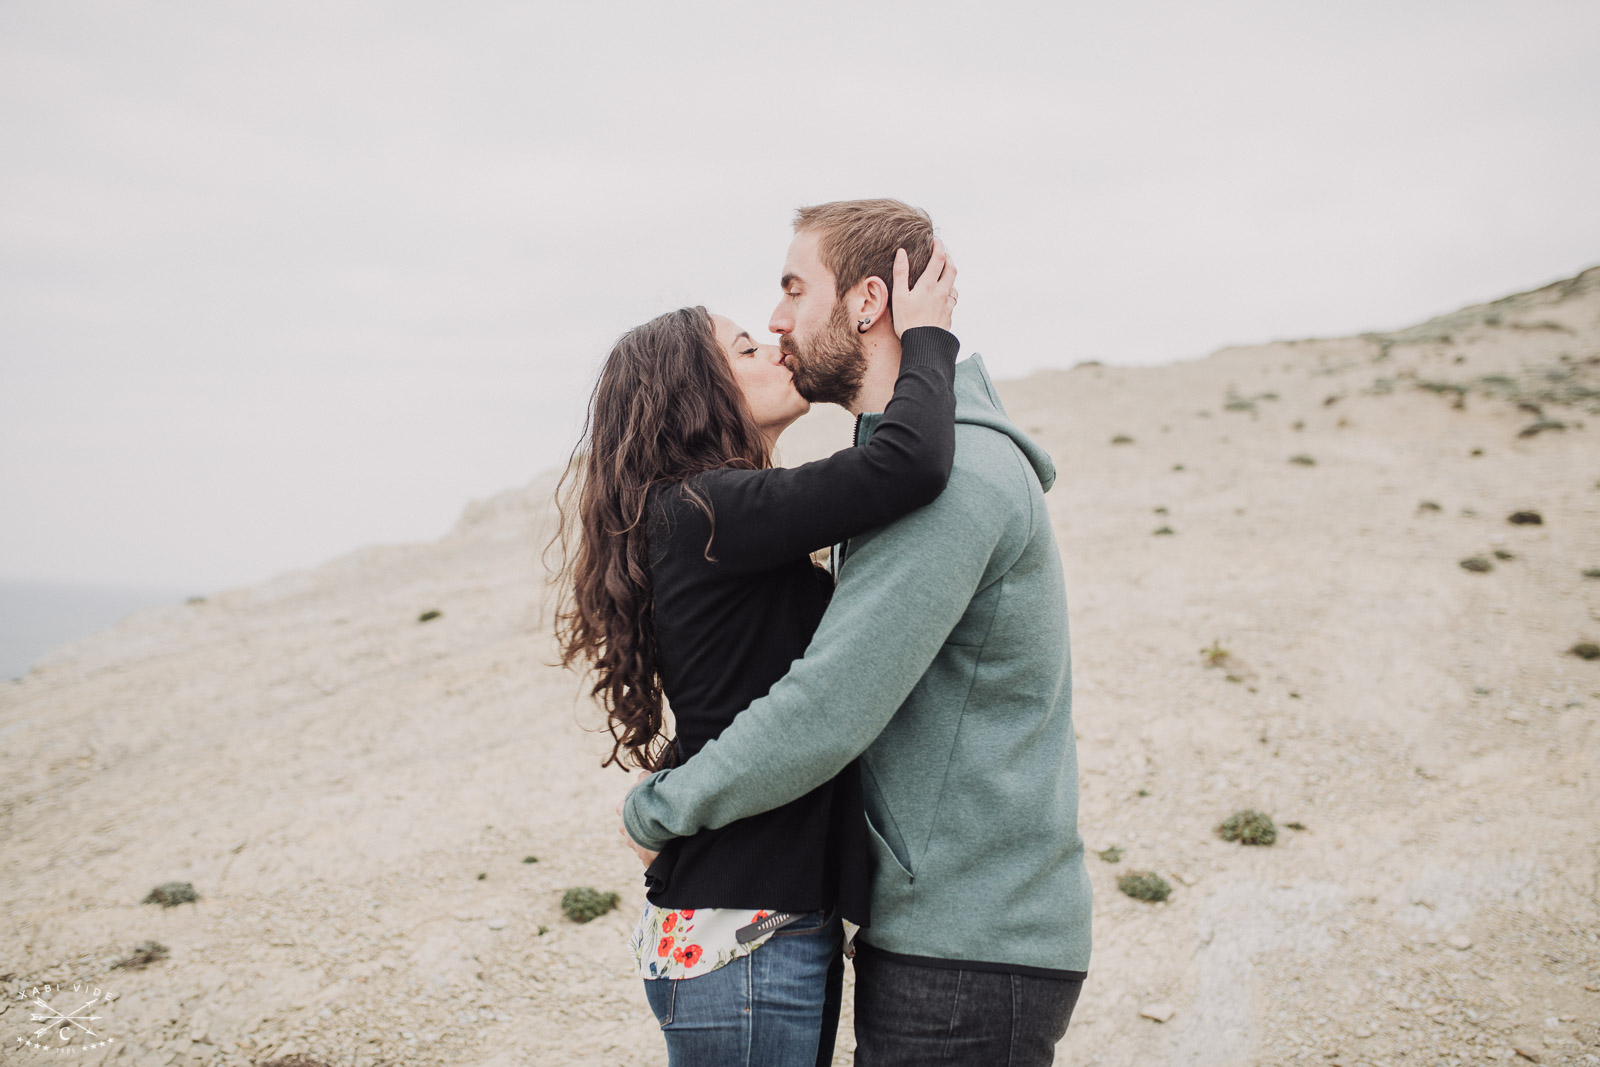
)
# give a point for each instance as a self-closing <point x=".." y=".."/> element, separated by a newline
<point x="691" y="580"/>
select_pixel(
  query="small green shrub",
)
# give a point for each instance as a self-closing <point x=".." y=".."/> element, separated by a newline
<point x="171" y="894"/>
<point x="1585" y="650"/>
<point x="144" y="954"/>
<point x="1145" y="885"/>
<point x="583" y="904"/>
<point x="1248" y="827"/>
<point x="1477" y="565"/>
<point x="1534" y="429"/>
<point x="1303" y="460"/>
<point x="1111" y="855"/>
<point x="1216" y="655"/>
<point x="429" y="616"/>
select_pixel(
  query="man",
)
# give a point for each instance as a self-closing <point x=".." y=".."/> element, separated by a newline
<point x="943" y="663"/>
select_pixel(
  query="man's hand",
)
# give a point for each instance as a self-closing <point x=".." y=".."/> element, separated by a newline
<point x="933" y="301"/>
<point x="643" y="853"/>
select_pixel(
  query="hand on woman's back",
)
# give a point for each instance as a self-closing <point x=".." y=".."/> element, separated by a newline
<point x="933" y="300"/>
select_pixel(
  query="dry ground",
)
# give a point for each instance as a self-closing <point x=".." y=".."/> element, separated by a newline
<point x="353" y="792"/>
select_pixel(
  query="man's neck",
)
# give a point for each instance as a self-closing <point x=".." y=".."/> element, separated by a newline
<point x="883" y="368"/>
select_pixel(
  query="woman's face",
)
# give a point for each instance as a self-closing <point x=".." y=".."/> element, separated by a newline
<point x="766" y="383"/>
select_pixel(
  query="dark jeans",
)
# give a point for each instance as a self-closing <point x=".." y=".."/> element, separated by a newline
<point x="907" y="1014"/>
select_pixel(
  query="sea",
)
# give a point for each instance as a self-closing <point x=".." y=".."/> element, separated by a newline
<point x="36" y="617"/>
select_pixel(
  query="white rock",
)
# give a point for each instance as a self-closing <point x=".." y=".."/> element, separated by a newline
<point x="498" y="923"/>
<point x="1460" y="942"/>
<point x="1159" y="1012"/>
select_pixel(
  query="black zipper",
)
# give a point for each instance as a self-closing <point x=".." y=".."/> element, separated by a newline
<point x="833" y="557"/>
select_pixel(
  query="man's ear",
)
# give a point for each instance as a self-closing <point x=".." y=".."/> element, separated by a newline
<point x="871" y="301"/>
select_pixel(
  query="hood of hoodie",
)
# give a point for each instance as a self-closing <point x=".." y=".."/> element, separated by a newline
<point x="978" y="404"/>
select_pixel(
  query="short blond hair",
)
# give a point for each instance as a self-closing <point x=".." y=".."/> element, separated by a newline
<point x="857" y="239"/>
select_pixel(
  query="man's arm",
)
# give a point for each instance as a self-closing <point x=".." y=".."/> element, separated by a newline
<point x="901" y="591"/>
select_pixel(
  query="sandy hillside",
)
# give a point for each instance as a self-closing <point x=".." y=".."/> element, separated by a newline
<point x="354" y="793"/>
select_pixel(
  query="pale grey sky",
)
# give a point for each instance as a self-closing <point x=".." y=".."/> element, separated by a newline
<point x="284" y="279"/>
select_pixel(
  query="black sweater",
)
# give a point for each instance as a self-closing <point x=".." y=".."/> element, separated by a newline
<point x="728" y="628"/>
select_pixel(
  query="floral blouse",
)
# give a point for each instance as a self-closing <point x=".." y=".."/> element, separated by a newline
<point x="688" y="942"/>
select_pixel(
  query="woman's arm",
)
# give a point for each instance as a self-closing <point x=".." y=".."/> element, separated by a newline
<point x="766" y="517"/>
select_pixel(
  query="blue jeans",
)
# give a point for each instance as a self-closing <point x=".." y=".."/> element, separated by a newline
<point x="776" y="1007"/>
<point x="910" y="1015"/>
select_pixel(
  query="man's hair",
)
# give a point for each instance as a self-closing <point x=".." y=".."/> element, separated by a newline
<point x="857" y="239"/>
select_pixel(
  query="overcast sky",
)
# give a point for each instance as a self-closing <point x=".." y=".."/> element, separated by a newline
<point x="284" y="279"/>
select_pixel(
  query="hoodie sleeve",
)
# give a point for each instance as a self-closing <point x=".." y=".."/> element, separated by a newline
<point x="766" y="517"/>
<point x="901" y="591"/>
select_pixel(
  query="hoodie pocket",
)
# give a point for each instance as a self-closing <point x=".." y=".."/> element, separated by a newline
<point x="889" y="865"/>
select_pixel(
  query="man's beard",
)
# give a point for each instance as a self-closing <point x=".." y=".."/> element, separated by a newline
<point x="829" y="367"/>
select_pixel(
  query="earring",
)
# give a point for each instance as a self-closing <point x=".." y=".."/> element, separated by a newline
<point x="863" y="325"/>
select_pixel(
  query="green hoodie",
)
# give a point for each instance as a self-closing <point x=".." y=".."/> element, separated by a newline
<point x="943" y="662"/>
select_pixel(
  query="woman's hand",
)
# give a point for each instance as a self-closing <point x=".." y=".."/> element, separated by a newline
<point x="622" y="828"/>
<point x="933" y="300"/>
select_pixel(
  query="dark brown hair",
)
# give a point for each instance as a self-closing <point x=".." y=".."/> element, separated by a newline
<point x="666" y="407"/>
<point x="858" y="239"/>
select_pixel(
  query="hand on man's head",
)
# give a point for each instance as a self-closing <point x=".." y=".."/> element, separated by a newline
<point x="933" y="301"/>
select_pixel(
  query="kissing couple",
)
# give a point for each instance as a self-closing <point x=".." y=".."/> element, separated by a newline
<point x="872" y="758"/>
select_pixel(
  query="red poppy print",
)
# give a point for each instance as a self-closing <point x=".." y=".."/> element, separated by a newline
<point x="664" y="947"/>
<point x="691" y="955"/>
<point x="669" y="923"/>
<point x="687" y="913"/>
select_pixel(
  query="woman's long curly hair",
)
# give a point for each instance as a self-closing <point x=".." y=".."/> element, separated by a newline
<point x="666" y="407"/>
